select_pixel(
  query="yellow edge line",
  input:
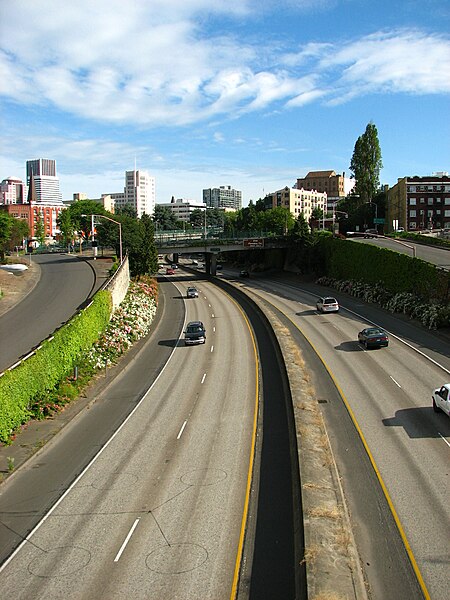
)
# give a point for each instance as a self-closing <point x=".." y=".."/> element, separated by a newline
<point x="237" y="567"/>
<point x="371" y="458"/>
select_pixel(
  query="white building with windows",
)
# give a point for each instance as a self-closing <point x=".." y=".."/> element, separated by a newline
<point x="182" y="209"/>
<point x="46" y="183"/>
<point x="139" y="193"/>
<point x="13" y="191"/>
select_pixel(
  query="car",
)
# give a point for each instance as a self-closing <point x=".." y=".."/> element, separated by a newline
<point x="244" y="273"/>
<point x="370" y="233"/>
<point x="191" y="292"/>
<point x="373" y="337"/>
<point x="400" y="229"/>
<point x="441" y="399"/>
<point x="327" y="304"/>
<point x="218" y="267"/>
<point x="195" y="333"/>
<point x="170" y="271"/>
<point x="174" y="266"/>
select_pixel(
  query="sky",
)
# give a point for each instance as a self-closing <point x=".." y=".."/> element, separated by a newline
<point x="203" y="93"/>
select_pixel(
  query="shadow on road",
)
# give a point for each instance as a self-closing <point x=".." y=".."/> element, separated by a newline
<point x="420" y="422"/>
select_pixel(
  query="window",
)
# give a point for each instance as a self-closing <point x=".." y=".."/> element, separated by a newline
<point x="412" y="225"/>
<point x="447" y="201"/>
<point x="412" y="213"/>
<point x="447" y="213"/>
<point x="412" y="202"/>
<point x="430" y="201"/>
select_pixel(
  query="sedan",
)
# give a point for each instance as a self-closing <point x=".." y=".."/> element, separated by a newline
<point x="192" y="292"/>
<point x="170" y="271"/>
<point x="327" y="304"/>
<point x="195" y="333"/>
<point x="441" y="399"/>
<point x="244" y="274"/>
<point x="373" y="337"/>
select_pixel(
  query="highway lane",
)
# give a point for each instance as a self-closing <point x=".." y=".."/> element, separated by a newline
<point x="158" y="514"/>
<point x="432" y="254"/>
<point x="388" y="391"/>
<point x="65" y="284"/>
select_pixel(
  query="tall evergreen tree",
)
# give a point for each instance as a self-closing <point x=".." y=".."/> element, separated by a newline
<point x="366" y="164"/>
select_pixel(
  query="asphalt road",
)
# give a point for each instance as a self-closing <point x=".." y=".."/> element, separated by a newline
<point x="434" y="255"/>
<point x="158" y="513"/>
<point x="65" y="283"/>
<point x="389" y="393"/>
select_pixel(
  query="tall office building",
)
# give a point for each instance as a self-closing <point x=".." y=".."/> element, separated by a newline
<point x="223" y="197"/>
<point x="43" y="172"/>
<point x="139" y="193"/>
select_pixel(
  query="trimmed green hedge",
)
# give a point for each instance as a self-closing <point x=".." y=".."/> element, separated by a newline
<point x="397" y="272"/>
<point x="51" y="363"/>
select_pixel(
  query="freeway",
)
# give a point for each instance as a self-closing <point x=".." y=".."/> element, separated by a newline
<point x="389" y="393"/>
<point x="65" y="284"/>
<point x="432" y="254"/>
<point x="156" y="509"/>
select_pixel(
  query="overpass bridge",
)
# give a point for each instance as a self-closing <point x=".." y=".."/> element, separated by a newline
<point x="213" y="244"/>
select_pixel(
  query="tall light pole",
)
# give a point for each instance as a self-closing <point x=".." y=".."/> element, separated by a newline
<point x="113" y="221"/>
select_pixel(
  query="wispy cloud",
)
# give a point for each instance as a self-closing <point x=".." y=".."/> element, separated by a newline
<point x="153" y="63"/>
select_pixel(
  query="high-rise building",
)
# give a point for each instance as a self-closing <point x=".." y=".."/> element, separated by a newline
<point x="43" y="172"/>
<point x="13" y="191"/>
<point x="223" y="197"/>
<point x="139" y="193"/>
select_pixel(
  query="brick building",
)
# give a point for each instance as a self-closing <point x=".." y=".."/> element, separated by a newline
<point x="418" y="203"/>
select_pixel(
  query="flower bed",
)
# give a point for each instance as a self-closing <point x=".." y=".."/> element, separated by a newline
<point x="431" y="314"/>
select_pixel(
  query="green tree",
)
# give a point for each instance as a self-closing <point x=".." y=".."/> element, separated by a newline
<point x="164" y="218"/>
<point x="300" y="230"/>
<point x="19" y="231"/>
<point x="366" y="164"/>
<point x="39" y="229"/>
<point x="197" y="218"/>
<point x="147" y="260"/>
<point x="278" y="221"/>
<point x="5" y="232"/>
<point x="66" y="226"/>
<point x="80" y="214"/>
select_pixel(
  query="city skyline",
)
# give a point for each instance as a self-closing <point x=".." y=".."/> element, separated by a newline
<point x="242" y="93"/>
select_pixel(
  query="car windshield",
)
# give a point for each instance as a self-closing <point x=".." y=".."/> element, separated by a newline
<point x="194" y="329"/>
<point x="330" y="301"/>
<point x="374" y="331"/>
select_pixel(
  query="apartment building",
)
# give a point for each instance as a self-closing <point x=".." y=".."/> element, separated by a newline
<point x="13" y="191"/>
<point x="336" y="186"/>
<point x="223" y="197"/>
<point x="298" y="201"/>
<point x="417" y="203"/>
<point x="139" y="193"/>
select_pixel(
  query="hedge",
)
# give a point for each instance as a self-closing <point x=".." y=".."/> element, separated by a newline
<point x="397" y="272"/>
<point x="54" y="360"/>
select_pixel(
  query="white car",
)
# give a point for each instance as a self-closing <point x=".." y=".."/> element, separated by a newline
<point x="192" y="292"/>
<point x="441" y="399"/>
<point x="327" y="304"/>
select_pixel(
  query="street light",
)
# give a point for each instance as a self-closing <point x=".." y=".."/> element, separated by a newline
<point x="113" y="221"/>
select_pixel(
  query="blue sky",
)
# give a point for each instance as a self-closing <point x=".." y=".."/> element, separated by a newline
<point x="203" y="93"/>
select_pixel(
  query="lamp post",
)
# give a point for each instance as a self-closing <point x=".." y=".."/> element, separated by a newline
<point x="113" y="221"/>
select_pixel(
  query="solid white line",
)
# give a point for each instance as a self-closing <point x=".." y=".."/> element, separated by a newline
<point x="396" y="382"/>
<point x="444" y="439"/>
<point x="204" y="377"/>
<point x="181" y="430"/>
<point x="127" y="539"/>
<point x="212" y="348"/>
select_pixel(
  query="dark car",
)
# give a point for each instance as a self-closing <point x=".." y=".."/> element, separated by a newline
<point x="195" y="333"/>
<point x="244" y="274"/>
<point x="370" y="233"/>
<point x="373" y="337"/>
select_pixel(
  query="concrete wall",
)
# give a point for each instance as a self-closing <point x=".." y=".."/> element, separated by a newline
<point x="119" y="282"/>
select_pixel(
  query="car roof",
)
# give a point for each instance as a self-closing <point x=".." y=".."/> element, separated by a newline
<point x="195" y="323"/>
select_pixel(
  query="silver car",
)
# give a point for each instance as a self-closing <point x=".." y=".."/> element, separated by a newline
<point x="192" y="292"/>
<point x="327" y="304"/>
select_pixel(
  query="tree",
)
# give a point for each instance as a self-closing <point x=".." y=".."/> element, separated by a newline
<point x="197" y="218"/>
<point x="366" y="164"/>
<point x="19" y="231"/>
<point x="164" y="218"/>
<point x="66" y="226"/>
<point x="300" y="230"/>
<point x="87" y="208"/>
<point x="147" y="259"/>
<point x="316" y="216"/>
<point x="5" y="232"/>
<point x="39" y="229"/>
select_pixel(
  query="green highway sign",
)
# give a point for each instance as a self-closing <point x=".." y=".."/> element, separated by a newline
<point x="378" y="221"/>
